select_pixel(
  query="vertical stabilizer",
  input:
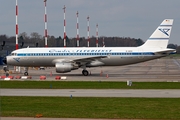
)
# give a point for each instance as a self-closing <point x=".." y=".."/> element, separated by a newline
<point x="160" y="37"/>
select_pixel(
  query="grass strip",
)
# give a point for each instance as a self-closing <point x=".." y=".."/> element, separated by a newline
<point x="65" y="107"/>
<point x="87" y="85"/>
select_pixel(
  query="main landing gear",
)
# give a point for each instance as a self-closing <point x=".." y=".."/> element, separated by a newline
<point x="85" y="72"/>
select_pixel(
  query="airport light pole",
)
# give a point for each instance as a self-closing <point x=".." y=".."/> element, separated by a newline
<point x="17" y="29"/>
<point x="96" y="35"/>
<point x="103" y="42"/>
<point x="64" y="25"/>
<point x="45" y="19"/>
<point x="88" y="29"/>
<point x="16" y="24"/>
<point x="77" y="29"/>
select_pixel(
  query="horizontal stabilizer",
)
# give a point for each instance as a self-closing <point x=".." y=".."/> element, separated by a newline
<point x="167" y="51"/>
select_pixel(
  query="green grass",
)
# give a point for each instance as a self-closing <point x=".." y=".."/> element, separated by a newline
<point x="87" y="85"/>
<point x="65" y="107"/>
<point x="87" y="107"/>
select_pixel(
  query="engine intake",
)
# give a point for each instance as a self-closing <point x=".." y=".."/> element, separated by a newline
<point x="63" y="67"/>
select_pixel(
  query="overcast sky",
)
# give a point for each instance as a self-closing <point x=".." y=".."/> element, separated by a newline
<point x="121" y="18"/>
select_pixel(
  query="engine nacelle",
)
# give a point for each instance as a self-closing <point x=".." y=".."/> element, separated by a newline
<point x="63" y="67"/>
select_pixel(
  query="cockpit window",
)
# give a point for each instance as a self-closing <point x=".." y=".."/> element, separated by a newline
<point x="13" y="54"/>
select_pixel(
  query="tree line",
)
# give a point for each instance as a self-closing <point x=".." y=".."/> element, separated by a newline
<point x="37" y="40"/>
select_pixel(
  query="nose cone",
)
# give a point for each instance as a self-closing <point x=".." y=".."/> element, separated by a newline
<point x="4" y="60"/>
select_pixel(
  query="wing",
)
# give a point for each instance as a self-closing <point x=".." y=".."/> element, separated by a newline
<point x="88" y="61"/>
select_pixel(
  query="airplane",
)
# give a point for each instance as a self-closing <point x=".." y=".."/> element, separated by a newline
<point x="71" y="58"/>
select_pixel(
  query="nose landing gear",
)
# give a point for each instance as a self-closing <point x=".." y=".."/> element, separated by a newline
<point x="26" y="71"/>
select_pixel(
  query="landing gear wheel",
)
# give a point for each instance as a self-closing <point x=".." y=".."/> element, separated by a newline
<point x="85" y="72"/>
<point x="26" y="73"/>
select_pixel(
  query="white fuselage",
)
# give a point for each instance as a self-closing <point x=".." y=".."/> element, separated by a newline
<point x="106" y="56"/>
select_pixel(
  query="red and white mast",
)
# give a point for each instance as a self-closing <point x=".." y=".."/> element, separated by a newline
<point x="96" y="35"/>
<point x="88" y="31"/>
<point x="45" y="19"/>
<point x="64" y="26"/>
<point x="77" y="30"/>
<point x="103" y="42"/>
<point x="16" y="25"/>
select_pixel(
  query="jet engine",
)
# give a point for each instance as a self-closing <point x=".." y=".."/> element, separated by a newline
<point x="65" y="67"/>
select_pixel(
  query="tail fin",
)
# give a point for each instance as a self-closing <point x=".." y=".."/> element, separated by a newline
<point x="160" y="37"/>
